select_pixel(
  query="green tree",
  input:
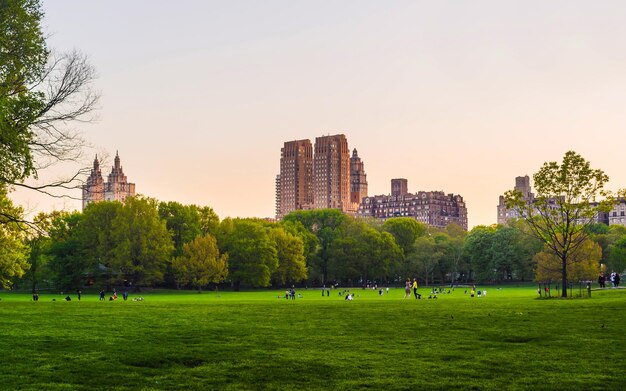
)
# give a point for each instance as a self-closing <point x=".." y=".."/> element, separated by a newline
<point x="363" y="254"/>
<point x="209" y="220"/>
<point x="291" y="262"/>
<point x="39" y="243"/>
<point x="252" y="256"/>
<point x="423" y="259"/>
<point x="564" y="207"/>
<point x="584" y="263"/>
<point x="67" y="264"/>
<point x="478" y="249"/>
<point x="143" y="244"/>
<point x="327" y="225"/>
<point x="617" y="257"/>
<point x="606" y="238"/>
<point x="40" y="96"/>
<point x="96" y="240"/>
<point x="13" y="250"/>
<point x="405" y="230"/>
<point x="201" y="263"/>
<point x="183" y="223"/>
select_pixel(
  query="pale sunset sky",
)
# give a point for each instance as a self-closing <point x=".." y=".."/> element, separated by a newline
<point x="459" y="96"/>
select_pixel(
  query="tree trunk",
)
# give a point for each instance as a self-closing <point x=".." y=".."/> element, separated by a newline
<point x="564" y="275"/>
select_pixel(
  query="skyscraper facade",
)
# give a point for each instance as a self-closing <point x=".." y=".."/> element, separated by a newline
<point x="331" y="175"/>
<point x="320" y="176"/>
<point x="358" y="180"/>
<point x="294" y="185"/>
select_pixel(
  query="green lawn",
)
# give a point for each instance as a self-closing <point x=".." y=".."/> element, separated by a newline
<point x="253" y="340"/>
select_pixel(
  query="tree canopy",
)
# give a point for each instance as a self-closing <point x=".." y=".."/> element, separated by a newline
<point x="569" y="197"/>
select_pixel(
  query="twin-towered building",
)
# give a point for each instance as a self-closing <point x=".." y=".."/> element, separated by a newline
<point x="325" y="176"/>
<point x="116" y="188"/>
<point x="320" y="176"/>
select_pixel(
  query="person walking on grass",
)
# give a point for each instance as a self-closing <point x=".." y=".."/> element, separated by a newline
<point x="407" y="288"/>
<point x="415" y="286"/>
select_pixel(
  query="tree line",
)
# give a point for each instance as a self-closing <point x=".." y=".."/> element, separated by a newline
<point x="146" y="243"/>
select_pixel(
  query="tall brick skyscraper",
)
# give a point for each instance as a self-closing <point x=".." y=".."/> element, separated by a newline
<point x="294" y="185"/>
<point x="358" y="180"/>
<point x="331" y="173"/>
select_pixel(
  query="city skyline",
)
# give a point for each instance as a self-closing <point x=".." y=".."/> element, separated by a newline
<point x="454" y="97"/>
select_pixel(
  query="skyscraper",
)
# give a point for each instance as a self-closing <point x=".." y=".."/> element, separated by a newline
<point x="294" y="185"/>
<point x="331" y="175"/>
<point x="358" y="180"/>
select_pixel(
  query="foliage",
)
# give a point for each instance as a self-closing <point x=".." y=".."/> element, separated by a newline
<point x="290" y="252"/>
<point x="405" y="230"/>
<point x="67" y="265"/>
<point x="142" y="243"/>
<point x="41" y="94"/>
<point x="23" y="59"/>
<point x="13" y="251"/>
<point x="200" y="263"/>
<point x="584" y="263"/>
<point x="565" y="206"/>
<point x="617" y="257"/>
<point x="423" y="259"/>
<point x="363" y="255"/>
<point x="252" y="255"/>
<point x="96" y="240"/>
<point x="327" y="225"/>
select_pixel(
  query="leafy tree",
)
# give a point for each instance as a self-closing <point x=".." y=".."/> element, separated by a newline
<point x="363" y="254"/>
<point x="453" y="250"/>
<point x="39" y="244"/>
<point x="291" y="261"/>
<point x="607" y="238"/>
<point x="327" y="225"/>
<point x="617" y="257"/>
<point x="209" y="221"/>
<point x="565" y="206"/>
<point x="40" y="95"/>
<point x="505" y="253"/>
<point x="252" y="255"/>
<point x="405" y="230"/>
<point x="67" y="264"/>
<point x="143" y="244"/>
<point x="183" y="223"/>
<point x="423" y="260"/>
<point x="584" y="263"/>
<point x="13" y="251"/>
<point x="200" y="263"/>
<point x="309" y="240"/>
<point x="96" y="240"/>
<point x="478" y="249"/>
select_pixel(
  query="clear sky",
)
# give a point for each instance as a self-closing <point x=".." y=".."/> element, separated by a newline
<point x="459" y="96"/>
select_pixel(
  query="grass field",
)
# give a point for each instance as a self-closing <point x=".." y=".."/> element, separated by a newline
<point x="253" y="340"/>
